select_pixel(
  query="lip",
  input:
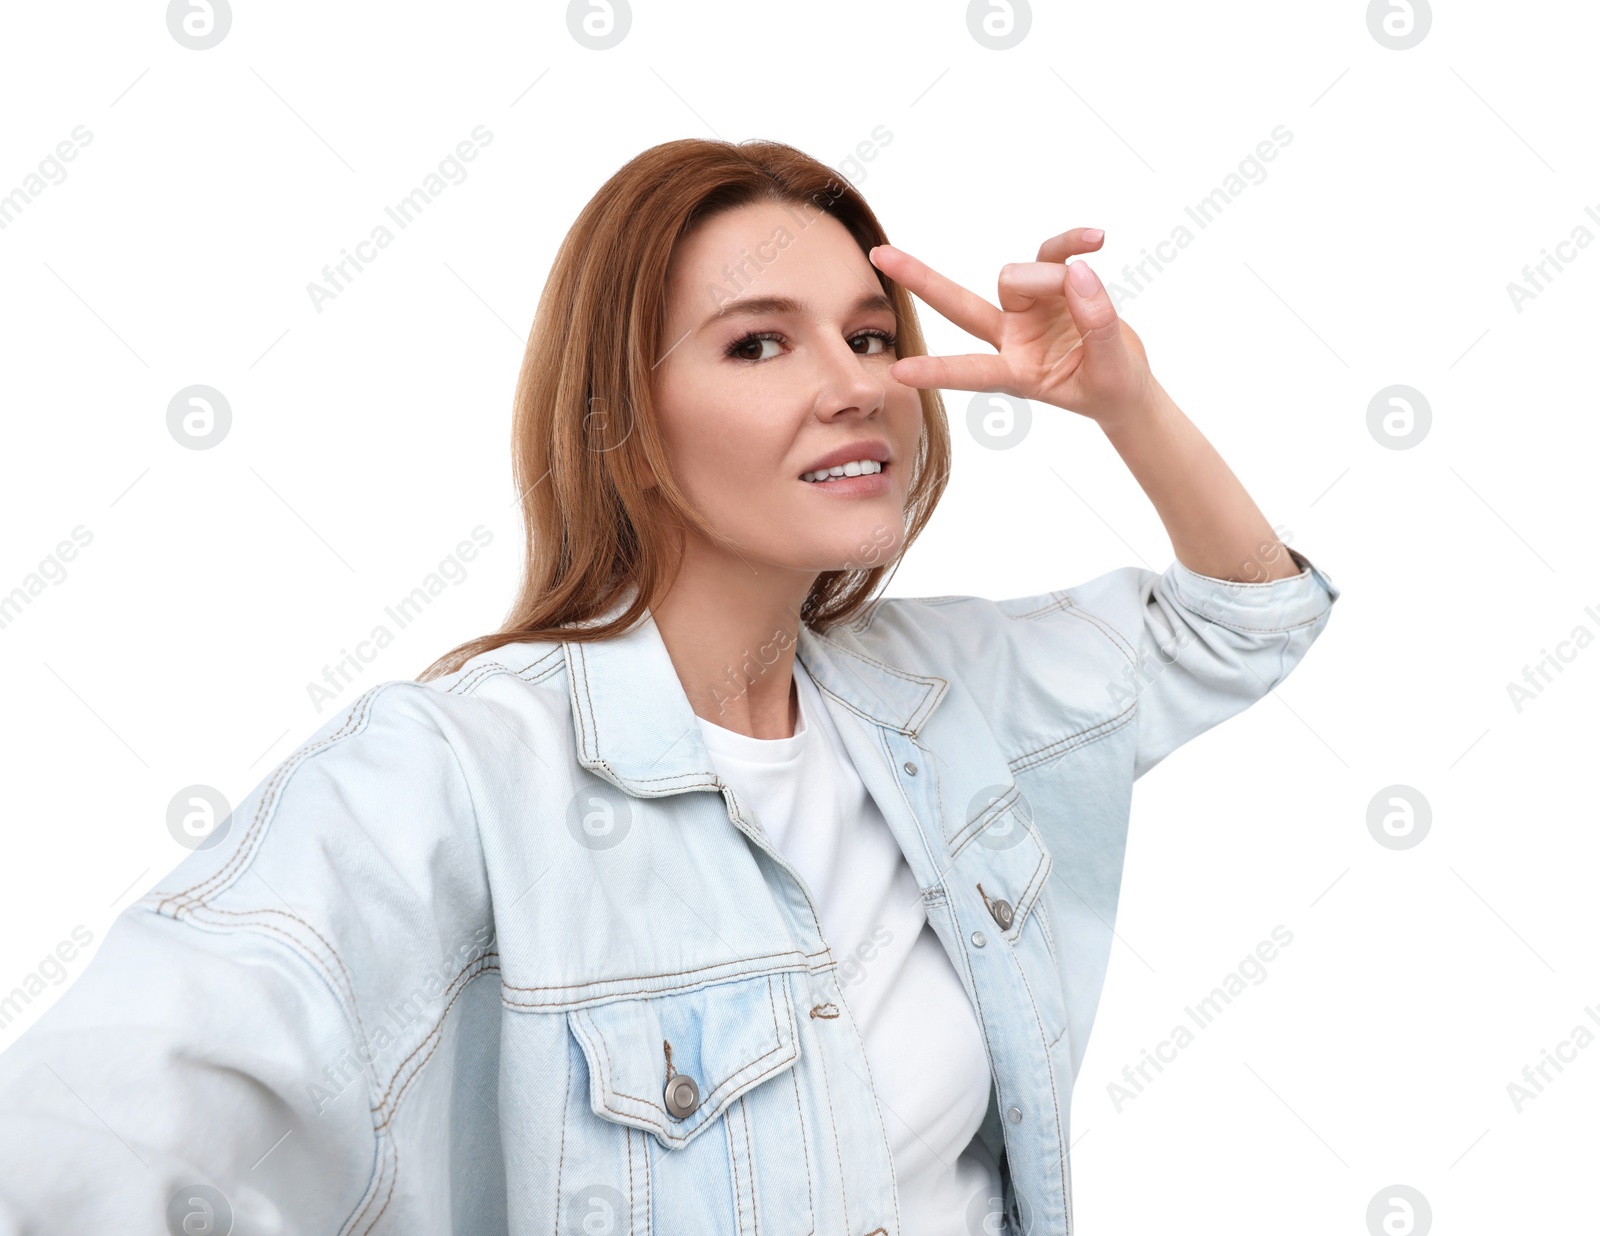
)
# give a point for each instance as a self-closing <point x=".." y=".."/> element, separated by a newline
<point x="867" y="448"/>
<point x="874" y="485"/>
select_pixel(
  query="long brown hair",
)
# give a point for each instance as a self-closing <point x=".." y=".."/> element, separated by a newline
<point x="583" y="415"/>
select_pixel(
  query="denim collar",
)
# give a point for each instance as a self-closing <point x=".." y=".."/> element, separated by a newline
<point x="634" y="726"/>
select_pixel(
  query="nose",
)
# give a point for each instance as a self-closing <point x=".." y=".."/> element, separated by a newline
<point x="848" y="384"/>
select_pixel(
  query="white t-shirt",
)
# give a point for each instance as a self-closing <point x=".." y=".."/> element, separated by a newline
<point x="923" y="1044"/>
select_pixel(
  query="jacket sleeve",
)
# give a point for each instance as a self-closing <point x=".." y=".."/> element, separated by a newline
<point x="221" y="1043"/>
<point x="1197" y="650"/>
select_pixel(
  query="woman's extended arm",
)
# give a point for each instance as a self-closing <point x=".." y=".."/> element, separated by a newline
<point x="1215" y="527"/>
<point x="242" y="1042"/>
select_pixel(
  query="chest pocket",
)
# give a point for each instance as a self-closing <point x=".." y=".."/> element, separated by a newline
<point x="708" y="1075"/>
<point x="1002" y="869"/>
<point x="724" y="1039"/>
<point x="999" y="856"/>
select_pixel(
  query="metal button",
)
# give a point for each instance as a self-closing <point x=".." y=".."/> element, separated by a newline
<point x="979" y="939"/>
<point x="1014" y="1115"/>
<point x="683" y="1096"/>
<point x="910" y="768"/>
<point x="1002" y="914"/>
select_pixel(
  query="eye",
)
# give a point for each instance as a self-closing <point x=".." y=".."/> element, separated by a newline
<point x="887" y="338"/>
<point x="756" y="339"/>
<point x="739" y="348"/>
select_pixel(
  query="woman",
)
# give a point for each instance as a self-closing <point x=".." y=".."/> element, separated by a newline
<point x="710" y="894"/>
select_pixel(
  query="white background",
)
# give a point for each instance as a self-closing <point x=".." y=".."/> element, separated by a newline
<point x="368" y="439"/>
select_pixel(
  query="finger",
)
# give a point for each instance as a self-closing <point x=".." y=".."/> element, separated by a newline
<point x="1095" y="317"/>
<point x="972" y="372"/>
<point x="966" y="309"/>
<point x="1071" y="243"/>
<point x="1022" y="283"/>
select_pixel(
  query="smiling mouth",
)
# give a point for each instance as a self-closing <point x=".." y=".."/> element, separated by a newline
<point x="863" y="467"/>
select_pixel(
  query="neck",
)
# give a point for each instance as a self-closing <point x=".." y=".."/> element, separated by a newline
<point x="731" y="631"/>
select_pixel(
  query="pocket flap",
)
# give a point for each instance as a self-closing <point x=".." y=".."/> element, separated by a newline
<point x="1001" y="857"/>
<point x="727" y="1038"/>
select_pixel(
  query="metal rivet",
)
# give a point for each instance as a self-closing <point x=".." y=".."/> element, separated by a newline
<point x="910" y="768"/>
<point x="979" y="939"/>
<point x="1002" y="914"/>
<point x="1014" y="1115"/>
<point x="683" y="1096"/>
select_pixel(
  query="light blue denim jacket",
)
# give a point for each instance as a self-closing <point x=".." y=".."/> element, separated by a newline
<point x="501" y="953"/>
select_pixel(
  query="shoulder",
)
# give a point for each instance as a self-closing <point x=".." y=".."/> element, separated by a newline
<point x="376" y="780"/>
<point x="521" y="687"/>
<point x="1037" y="669"/>
<point x="529" y="663"/>
<point x="1087" y="620"/>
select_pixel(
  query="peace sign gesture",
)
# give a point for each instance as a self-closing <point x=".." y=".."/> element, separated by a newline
<point x="1057" y="333"/>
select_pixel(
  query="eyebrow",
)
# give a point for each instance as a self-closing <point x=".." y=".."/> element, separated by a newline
<point x="761" y="306"/>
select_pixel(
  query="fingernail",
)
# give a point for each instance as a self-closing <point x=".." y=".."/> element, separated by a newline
<point x="1093" y="236"/>
<point x="1084" y="280"/>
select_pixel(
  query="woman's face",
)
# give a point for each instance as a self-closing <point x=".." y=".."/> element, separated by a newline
<point x="754" y="396"/>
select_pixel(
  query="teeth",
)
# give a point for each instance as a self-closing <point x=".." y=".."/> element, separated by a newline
<point x="856" y="467"/>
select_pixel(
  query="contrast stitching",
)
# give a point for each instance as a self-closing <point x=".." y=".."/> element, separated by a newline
<point x="388" y="1197"/>
<point x="896" y="726"/>
<point x="489" y="669"/>
<point x="983" y="1030"/>
<point x="1058" y="601"/>
<point x="628" y="1136"/>
<point x="709" y="1101"/>
<point x="1082" y="738"/>
<point x="750" y="1157"/>
<point x="566" y="1111"/>
<point x="799" y="1111"/>
<point x="477" y="961"/>
<point x="928" y="852"/>
<point x="710" y="785"/>
<point x="1235" y="626"/>
<point x="349" y="982"/>
<point x="833" y="1126"/>
<point x="876" y="1108"/>
<point x="904" y="675"/>
<point x="650" y="1201"/>
<point x="362" y="706"/>
<point x="1030" y="891"/>
<point x="434" y="1034"/>
<point x="378" y="1173"/>
<point x="968" y="832"/>
<point x="583" y="661"/>
<point x="772" y="1007"/>
<point x="930" y="689"/>
<point x="664" y="974"/>
<point x="387" y="1151"/>
<point x="733" y="1168"/>
<point x="1049" y="936"/>
<point x="1072" y="609"/>
<point x="706" y="1104"/>
<point x="300" y="951"/>
<point x="417" y="1072"/>
<point x="1055" y="1103"/>
<point x="1108" y="629"/>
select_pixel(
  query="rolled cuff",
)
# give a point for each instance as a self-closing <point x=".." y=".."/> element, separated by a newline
<point x="1270" y="605"/>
